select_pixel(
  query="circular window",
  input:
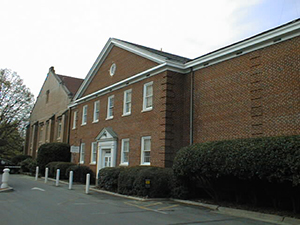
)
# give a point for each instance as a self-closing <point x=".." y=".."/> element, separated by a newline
<point x="112" y="69"/>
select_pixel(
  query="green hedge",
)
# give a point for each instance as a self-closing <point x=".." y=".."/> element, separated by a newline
<point x="28" y="165"/>
<point x="52" y="152"/>
<point x="108" y="178"/>
<point x="62" y="166"/>
<point x="79" y="173"/>
<point x="19" y="158"/>
<point x="131" y="180"/>
<point x="274" y="159"/>
<point x="254" y="170"/>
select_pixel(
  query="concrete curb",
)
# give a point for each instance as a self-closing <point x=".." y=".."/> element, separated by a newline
<point x="6" y="189"/>
<point x="219" y="209"/>
<point x="244" y="213"/>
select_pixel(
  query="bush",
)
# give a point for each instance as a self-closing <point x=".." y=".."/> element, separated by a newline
<point x="79" y="173"/>
<point x="132" y="181"/>
<point x="108" y="178"/>
<point x="28" y="165"/>
<point x="62" y="166"/>
<point x="52" y="152"/>
<point x="19" y="158"/>
<point x="235" y="168"/>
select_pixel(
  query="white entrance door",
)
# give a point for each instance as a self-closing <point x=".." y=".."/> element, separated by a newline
<point x="106" y="157"/>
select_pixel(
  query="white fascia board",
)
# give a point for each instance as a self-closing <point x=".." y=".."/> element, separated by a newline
<point x="249" y="45"/>
<point x="108" y="46"/>
<point x="133" y="79"/>
<point x="139" y="51"/>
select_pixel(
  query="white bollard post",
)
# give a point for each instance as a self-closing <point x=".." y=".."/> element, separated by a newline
<point x="87" y="186"/>
<point x="36" y="173"/>
<point x="57" y="177"/>
<point x="5" y="178"/>
<point x="46" y="174"/>
<point x="70" y="180"/>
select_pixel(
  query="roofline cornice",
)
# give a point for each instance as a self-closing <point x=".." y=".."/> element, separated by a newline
<point x="251" y="44"/>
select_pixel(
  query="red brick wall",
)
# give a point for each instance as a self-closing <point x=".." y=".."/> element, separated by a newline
<point x="134" y="126"/>
<point x="128" y="64"/>
<point x="256" y="94"/>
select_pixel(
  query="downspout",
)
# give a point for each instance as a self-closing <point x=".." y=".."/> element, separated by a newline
<point x="192" y="107"/>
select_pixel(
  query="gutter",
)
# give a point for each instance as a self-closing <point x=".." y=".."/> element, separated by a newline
<point x="192" y="106"/>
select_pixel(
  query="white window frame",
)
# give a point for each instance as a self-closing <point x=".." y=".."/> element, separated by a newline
<point x="110" y="108"/>
<point x="74" y="120"/>
<point x="143" y="150"/>
<point x="59" y="128"/>
<point x="146" y="97"/>
<point x="84" y="115"/>
<point x="96" y="111"/>
<point x="127" y="102"/>
<point x="94" y="148"/>
<point x="123" y="162"/>
<point x="82" y="153"/>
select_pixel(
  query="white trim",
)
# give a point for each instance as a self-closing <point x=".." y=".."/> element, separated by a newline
<point x="125" y="102"/>
<point x="145" y="97"/>
<point x="82" y="153"/>
<point x="75" y="115"/>
<point x="143" y="150"/>
<point x="110" y="108"/>
<point x="94" y="149"/>
<point x="96" y="112"/>
<point x="84" y="115"/>
<point x="122" y="152"/>
<point x="249" y="45"/>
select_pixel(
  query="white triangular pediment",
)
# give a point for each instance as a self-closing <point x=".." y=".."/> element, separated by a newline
<point x="106" y="134"/>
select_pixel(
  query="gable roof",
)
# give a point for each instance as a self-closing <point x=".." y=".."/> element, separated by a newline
<point x="184" y="65"/>
<point x="71" y="83"/>
<point x="154" y="55"/>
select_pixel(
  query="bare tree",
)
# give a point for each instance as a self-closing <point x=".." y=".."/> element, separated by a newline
<point x="16" y="102"/>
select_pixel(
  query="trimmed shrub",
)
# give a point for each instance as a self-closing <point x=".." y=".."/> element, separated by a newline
<point x="52" y="152"/>
<point x="132" y="181"/>
<point x="268" y="168"/>
<point x="79" y="173"/>
<point x="28" y="165"/>
<point x="126" y="180"/>
<point x="108" y="178"/>
<point x="62" y="166"/>
<point x="19" y="158"/>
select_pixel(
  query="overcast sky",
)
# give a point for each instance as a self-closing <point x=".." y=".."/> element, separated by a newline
<point x="69" y="34"/>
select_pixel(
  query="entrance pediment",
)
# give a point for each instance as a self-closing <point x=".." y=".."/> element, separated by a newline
<point x="106" y="134"/>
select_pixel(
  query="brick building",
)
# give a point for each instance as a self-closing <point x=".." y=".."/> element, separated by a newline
<point x="49" y="119"/>
<point x="138" y="106"/>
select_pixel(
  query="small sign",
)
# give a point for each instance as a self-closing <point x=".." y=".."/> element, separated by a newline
<point x="74" y="149"/>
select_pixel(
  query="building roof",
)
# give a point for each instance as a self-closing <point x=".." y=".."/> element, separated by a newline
<point x="166" y="55"/>
<point x="71" y="83"/>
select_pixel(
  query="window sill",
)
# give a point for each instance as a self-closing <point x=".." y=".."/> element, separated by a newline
<point x="93" y="163"/>
<point x="109" y="118"/>
<point x="127" y="114"/>
<point x="147" y="110"/>
<point x="145" y="164"/>
<point x="123" y="164"/>
<point x="83" y="124"/>
<point x="96" y="121"/>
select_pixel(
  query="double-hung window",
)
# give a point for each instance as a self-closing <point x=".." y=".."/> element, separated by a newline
<point x="125" y="152"/>
<point x="74" y="119"/>
<point x="110" y="107"/>
<point x="127" y="103"/>
<point x="82" y="152"/>
<point x="96" y="111"/>
<point x="93" y="153"/>
<point x="59" y="128"/>
<point x="84" y="115"/>
<point x="146" y="149"/>
<point x="148" y="96"/>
